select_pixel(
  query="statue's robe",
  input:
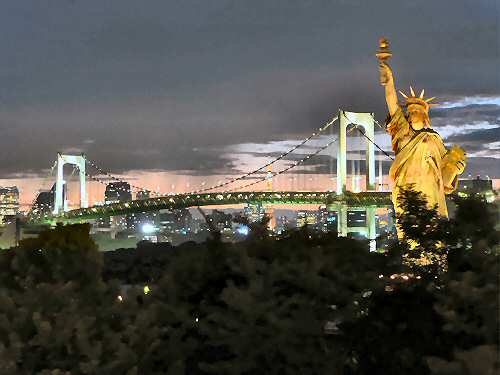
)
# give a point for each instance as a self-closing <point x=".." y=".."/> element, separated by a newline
<point x="419" y="155"/>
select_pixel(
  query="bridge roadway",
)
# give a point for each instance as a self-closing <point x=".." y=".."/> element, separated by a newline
<point x="349" y="199"/>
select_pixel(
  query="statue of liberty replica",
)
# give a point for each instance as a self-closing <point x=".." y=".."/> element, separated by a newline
<point x="422" y="161"/>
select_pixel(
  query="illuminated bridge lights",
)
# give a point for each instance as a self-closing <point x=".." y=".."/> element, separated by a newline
<point x="361" y="200"/>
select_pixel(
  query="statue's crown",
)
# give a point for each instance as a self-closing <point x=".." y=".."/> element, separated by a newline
<point x="418" y="100"/>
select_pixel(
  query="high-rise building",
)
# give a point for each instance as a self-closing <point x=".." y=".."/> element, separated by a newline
<point x="309" y="218"/>
<point x="327" y="220"/>
<point x="117" y="192"/>
<point x="254" y="212"/>
<point x="44" y="202"/>
<point x="9" y="202"/>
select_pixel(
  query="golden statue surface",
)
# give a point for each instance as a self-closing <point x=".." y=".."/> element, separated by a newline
<point x="422" y="160"/>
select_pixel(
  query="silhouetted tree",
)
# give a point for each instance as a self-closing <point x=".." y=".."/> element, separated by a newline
<point x="305" y="302"/>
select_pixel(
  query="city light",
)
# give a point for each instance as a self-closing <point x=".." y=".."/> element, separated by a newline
<point x="148" y="228"/>
<point x="304" y="249"/>
<point x="243" y="230"/>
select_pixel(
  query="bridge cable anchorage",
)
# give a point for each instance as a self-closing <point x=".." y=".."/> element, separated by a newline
<point x="360" y="130"/>
<point x="297" y="163"/>
<point x="319" y="131"/>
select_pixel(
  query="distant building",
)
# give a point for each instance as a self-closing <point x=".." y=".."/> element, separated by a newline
<point x="475" y="185"/>
<point x="284" y="223"/>
<point x="44" y="202"/>
<point x="198" y="225"/>
<point x="478" y="185"/>
<point x="176" y="221"/>
<point x="117" y="192"/>
<point x="309" y="218"/>
<point x="220" y="220"/>
<point x="327" y="220"/>
<point x="254" y="212"/>
<point x="356" y="219"/>
<point x="138" y="220"/>
<point x="9" y="202"/>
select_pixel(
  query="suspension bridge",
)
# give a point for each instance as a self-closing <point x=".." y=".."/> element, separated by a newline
<point x="244" y="189"/>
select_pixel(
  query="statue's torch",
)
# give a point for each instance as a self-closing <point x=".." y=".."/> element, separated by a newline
<point x="383" y="54"/>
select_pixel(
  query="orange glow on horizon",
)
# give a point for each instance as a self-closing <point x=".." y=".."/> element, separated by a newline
<point x="171" y="183"/>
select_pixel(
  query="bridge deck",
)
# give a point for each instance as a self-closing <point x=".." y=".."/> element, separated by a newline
<point x="353" y="200"/>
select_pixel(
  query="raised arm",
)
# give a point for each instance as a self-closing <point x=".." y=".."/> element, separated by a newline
<point x="387" y="80"/>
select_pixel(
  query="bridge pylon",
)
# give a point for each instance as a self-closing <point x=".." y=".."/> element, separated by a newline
<point x="78" y="161"/>
<point x="367" y="121"/>
<point x="369" y="229"/>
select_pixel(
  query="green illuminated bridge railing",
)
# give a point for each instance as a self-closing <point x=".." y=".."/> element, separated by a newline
<point x="352" y="200"/>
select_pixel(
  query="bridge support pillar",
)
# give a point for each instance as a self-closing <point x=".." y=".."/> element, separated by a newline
<point x="59" y="193"/>
<point x="79" y="161"/>
<point x="342" y="220"/>
<point x="371" y="228"/>
<point x="366" y="121"/>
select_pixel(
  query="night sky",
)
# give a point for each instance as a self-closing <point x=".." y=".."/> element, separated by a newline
<point x="202" y="87"/>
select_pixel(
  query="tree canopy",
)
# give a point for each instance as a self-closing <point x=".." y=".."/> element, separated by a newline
<point x="303" y="303"/>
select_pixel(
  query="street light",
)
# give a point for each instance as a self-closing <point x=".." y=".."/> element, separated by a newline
<point x="148" y="228"/>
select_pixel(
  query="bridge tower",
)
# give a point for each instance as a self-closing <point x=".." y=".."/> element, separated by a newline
<point x="79" y="161"/>
<point x="369" y="229"/>
<point x="366" y="121"/>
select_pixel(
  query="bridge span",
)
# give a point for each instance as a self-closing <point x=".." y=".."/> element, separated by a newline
<point x="361" y="200"/>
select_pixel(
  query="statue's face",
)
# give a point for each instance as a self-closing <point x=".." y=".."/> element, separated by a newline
<point x="417" y="117"/>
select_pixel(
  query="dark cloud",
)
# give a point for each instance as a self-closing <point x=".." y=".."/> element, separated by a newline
<point x="482" y="137"/>
<point x="482" y="166"/>
<point x="468" y="114"/>
<point x="168" y="84"/>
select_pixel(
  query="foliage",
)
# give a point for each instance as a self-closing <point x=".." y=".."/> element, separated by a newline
<point x="306" y="302"/>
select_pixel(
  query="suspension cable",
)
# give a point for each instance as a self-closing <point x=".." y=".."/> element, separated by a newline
<point x="297" y="163"/>
<point x="320" y="130"/>
<point x="357" y="127"/>
<point x="380" y="126"/>
<point x="93" y="178"/>
<point x="280" y="157"/>
<point x="109" y="175"/>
